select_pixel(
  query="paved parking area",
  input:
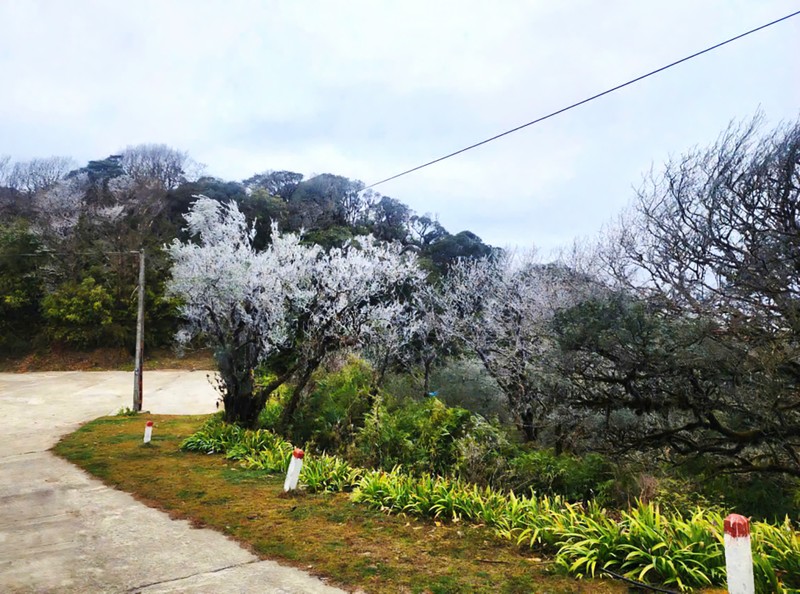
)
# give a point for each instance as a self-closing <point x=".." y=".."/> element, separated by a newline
<point x="63" y="531"/>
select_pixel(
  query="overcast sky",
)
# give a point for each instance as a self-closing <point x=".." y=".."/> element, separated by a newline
<point x="368" y="89"/>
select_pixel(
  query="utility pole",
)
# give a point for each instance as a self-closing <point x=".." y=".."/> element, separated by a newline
<point x="137" y="370"/>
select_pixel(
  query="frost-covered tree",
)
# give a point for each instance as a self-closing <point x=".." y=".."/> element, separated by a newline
<point x="233" y="297"/>
<point x="416" y="339"/>
<point x="355" y="292"/>
<point x="401" y="339"/>
<point x="289" y="306"/>
<point x="500" y="309"/>
<point x="58" y="209"/>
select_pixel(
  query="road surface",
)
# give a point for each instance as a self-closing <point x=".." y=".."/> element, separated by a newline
<point x="63" y="531"/>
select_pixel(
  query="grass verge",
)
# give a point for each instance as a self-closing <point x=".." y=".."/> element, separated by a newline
<point x="326" y="534"/>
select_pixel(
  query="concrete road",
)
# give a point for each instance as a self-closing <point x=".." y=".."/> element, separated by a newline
<point x="63" y="531"/>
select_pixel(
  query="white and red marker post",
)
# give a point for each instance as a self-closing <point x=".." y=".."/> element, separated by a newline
<point x="295" y="466"/>
<point x="738" y="555"/>
<point x="148" y="431"/>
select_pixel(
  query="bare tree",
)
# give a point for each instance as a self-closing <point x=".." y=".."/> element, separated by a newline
<point x="156" y="164"/>
<point x="5" y="169"/>
<point x="36" y="175"/>
<point x="704" y="348"/>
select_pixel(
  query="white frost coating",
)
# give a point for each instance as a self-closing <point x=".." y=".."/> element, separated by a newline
<point x="293" y="474"/>
<point x="739" y="565"/>
<point x="288" y="296"/>
<point x="59" y="207"/>
<point x="500" y="309"/>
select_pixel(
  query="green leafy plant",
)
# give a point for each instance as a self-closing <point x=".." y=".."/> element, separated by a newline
<point x="643" y="543"/>
<point x="423" y="437"/>
<point x="81" y="314"/>
<point x="331" y="415"/>
<point x="213" y="437"/>
<point x="648" y="542"/>
<point x="576" y="479"/>
<point x="329" y="474"/>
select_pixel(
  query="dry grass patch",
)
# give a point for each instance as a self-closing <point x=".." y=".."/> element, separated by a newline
<point x="103" y="359"/>
<point x="326" y="534"/>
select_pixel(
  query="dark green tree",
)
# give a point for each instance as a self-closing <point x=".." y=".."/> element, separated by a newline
<point x="20" y="286"/>
<point x="446" y="249"/>
<point x="705" y="353"/>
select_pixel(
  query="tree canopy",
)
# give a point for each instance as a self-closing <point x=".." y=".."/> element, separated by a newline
<point x="675" y="333"/>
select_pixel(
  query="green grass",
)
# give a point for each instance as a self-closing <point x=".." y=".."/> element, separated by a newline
<point x="325" y="533"/>
<point x="671" y="546"/>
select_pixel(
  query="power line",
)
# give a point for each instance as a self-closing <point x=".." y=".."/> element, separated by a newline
<point x="587" y="100"/>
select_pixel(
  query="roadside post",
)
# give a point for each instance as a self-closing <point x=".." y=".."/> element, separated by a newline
<point x="148" y="431"/>
<point x="293" y="474"/>
<point x="738" y="555"/>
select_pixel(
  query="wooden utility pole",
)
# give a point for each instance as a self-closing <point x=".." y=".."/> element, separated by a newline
<point x="137" y="370"/>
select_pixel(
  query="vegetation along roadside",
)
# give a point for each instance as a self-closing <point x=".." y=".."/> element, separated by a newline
<point x="325" y="533"/>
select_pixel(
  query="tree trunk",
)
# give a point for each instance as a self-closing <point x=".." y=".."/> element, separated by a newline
<point x="527" y="424"/>
<point x="559" y="439"/>
<point x="243" y="400"/>
<point x="426" y="386"/>
<point x="294" y="400"/>
<point x="244" y="409"/>
<point x="377" y="381"/>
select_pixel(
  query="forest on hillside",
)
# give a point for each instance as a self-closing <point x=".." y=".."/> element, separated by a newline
<point x="667" y="347"/>
<point x="67" y="233"/>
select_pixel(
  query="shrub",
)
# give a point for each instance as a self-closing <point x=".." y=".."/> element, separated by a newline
<point x="484" y="454"/>
<point x="769" y="497"/>
<point x="422" y="437"/>
<point x="270" y="415"/>
<point x="575" y="478"/>
<point x="82" y="315"/>
<point x="335" y="409"/>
